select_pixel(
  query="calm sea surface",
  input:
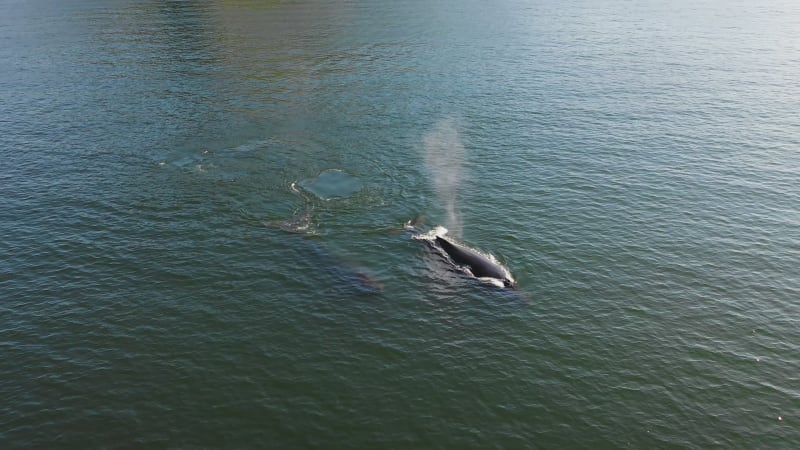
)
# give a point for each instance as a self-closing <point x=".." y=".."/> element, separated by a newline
<point x="202" y="208"/>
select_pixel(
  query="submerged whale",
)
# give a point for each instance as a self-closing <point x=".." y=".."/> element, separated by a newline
<point x="479" y="265"/>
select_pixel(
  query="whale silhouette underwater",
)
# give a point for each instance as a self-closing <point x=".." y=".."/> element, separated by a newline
<point x="469" y="261"/>
<point x="482" y="266"/>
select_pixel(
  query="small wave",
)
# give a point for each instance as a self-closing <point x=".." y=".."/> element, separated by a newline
<point x="252" y="145"/>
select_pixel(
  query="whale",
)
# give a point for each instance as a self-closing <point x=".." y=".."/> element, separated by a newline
<point x="349" y="278"/>
<point x="479" y="265"/>
<point x="470" y="261"/>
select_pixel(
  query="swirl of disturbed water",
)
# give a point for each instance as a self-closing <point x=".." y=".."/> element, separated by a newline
<point x="330" y="184"/>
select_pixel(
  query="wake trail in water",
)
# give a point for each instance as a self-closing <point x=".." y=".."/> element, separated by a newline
<point x="444" y="157"/>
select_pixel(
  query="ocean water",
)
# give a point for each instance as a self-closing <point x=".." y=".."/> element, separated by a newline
<point x="202" y="209"/>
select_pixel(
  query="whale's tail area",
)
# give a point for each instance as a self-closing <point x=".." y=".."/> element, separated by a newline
<point x="416" y="223"/>
<point x="300" y="222"/>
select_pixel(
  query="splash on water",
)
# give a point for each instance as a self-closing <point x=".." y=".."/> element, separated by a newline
<point x="430" y="235"/>
<point x="300" y="222"/>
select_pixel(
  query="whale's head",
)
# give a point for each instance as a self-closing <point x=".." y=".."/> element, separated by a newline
<point x="509" y="283"/>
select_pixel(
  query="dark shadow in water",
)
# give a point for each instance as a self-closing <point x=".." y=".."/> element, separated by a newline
<point x="347" y="278"/>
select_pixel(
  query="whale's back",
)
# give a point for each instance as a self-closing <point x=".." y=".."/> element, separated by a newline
<point x="479" y="265"/>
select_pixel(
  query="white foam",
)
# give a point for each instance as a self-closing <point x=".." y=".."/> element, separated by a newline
<point x="492" y="281"/>
<point x="431" y="235"/>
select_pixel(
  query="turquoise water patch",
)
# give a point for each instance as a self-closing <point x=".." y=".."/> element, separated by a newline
<point x="332" y="183"/>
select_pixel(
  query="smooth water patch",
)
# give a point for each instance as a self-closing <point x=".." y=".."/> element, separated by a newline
<point x="331" y="183"/>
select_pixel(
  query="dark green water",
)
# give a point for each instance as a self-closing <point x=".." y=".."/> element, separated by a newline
<point x="163" y="284"/>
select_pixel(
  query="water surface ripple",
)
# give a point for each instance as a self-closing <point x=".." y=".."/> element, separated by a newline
<point x="633" y="164"/>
